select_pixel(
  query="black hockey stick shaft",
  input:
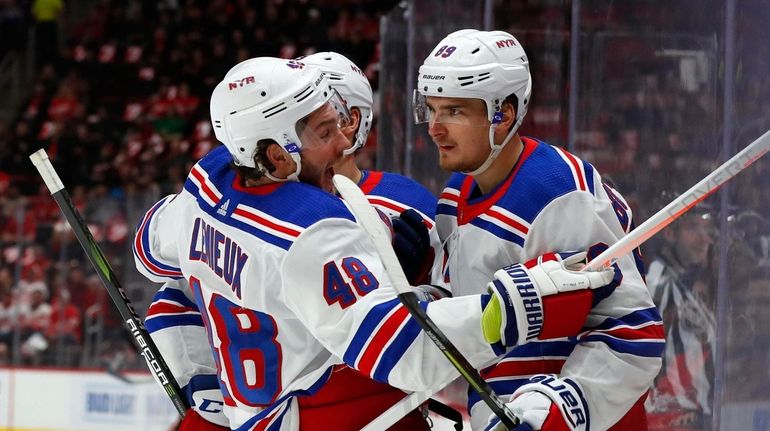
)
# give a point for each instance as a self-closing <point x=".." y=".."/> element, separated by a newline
<point x="370" y="221"/>
<point x="131" y="320"/>
<point x="467" y="371"/>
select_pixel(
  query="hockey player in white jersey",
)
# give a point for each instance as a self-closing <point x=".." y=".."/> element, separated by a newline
<point x="286" y="282"/>
<point x="173" y="318"/>
<point x="388" y="192"/>
<point x="513" y="198"/>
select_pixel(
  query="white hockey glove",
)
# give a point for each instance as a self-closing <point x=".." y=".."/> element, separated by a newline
<point x="544" y="298"/>
<point x="546" y="403"/>
<point x="430" y="292"/>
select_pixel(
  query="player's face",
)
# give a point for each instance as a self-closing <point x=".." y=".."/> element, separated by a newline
<point x="322" y="146"/>
<point x="460" y="129"/>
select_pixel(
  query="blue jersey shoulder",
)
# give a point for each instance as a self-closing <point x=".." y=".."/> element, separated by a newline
<point x="271" y="212"/>
<point x="302" y="204"/>
<point x="546" y="174"/>
<point x="406" y="191"/>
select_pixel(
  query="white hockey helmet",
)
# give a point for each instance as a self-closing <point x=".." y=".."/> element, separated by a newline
<point x="352" y="85"/>
<point x="473" y="64"/>
<point x="265" y="98"/>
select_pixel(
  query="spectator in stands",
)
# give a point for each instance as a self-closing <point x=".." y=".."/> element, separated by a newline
<point x="679" y="281"/>
<point x="46" y="14"/>
<point x="35" y="318"/>
<point x="13" y="31"/>
<point x="751" y="227"/>
<point x="6" y="313"/>
<point x="65" y="329"/>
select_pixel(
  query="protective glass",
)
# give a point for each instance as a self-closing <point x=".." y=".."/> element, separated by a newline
<point x="323" y="125"/>
<point x="465" y="112"/>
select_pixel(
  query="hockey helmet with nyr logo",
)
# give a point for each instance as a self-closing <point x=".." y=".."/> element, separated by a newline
<point x="266" y="98"/>
<point x="352" y="85"/>
<point x="486" y="65"/>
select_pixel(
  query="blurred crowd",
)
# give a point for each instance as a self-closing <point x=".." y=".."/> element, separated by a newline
<point x="120" y="102"/>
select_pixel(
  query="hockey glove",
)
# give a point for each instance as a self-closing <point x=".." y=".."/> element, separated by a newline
<point x="430" y="292"/>
<point x="411" y="242"/>
<point x="544" y="298"/>
<point x="546" y="403"/>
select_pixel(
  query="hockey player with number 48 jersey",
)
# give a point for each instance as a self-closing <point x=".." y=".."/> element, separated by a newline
<point x="173" y="318"/>
<point x="291" y="293"/>
<point x="514" y="198"/>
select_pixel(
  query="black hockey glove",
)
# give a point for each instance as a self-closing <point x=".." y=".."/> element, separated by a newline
<point x="411" y="242"/>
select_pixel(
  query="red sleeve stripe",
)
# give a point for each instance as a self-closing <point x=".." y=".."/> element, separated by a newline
<point x="161" y="307"/>
<point x="263" y="424"/>
<point x="509" y="219"/>
<point x="266" y="223"/>
<point x="209" y="191"/>
<point x="381" y="338"/>
<point x="142" y="249"/>
<point x="651" y="331"/>
<point x="450" y="195"/>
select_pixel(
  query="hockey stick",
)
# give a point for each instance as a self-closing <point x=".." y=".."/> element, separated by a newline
<point x="371" y="222"/>
<point x="397" y="411"/>
<point x="131" y="320"/>
<point x="683" y="203"/>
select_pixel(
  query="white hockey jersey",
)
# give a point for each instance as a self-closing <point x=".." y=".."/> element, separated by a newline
<point x="287" y="286"/>
<point x="553" y="201"/>
<point x="176" y="325"/>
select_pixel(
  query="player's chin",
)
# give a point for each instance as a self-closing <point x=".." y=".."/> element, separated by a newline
<point x="325" y="179"/>
<point x="449" y="163"/>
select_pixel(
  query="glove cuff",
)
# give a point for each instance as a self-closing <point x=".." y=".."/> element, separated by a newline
<point x="519" y="298"/>
<point x="565" y="394"/>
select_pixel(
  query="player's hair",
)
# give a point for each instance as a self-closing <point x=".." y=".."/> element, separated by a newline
<point x="260" y="159"/>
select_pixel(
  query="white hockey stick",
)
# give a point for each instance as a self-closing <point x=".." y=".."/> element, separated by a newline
<point x="397" y="411"/>
<point x="372" y="224"/>
<point x="683" y="203"/>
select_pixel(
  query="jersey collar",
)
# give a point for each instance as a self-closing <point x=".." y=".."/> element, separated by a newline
<point x="468" y="209"/>
<point x="369" y="180"/>
<point x="255" y="190"/>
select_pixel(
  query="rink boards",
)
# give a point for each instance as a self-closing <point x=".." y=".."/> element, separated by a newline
<point x="78" y="400"/>
<point x="82" y="400"/>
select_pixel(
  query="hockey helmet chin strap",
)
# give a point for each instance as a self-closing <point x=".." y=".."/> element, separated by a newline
<point x="494" y="148"/>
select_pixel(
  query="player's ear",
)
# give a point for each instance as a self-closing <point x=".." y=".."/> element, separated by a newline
<point x="279" y="158"/>
<point x="509" y="116"/>
<point x="355" y="118"/>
